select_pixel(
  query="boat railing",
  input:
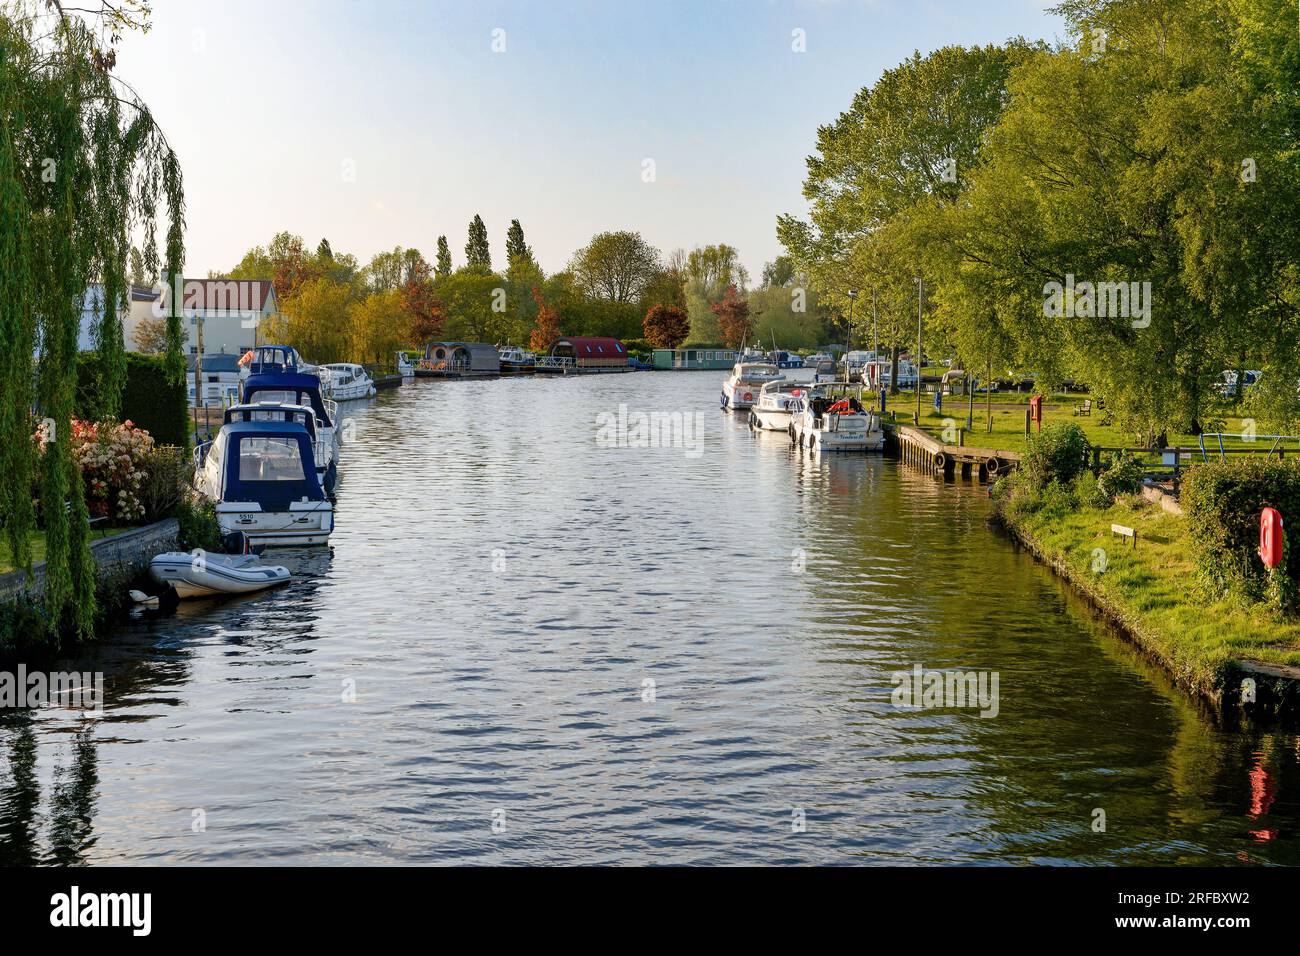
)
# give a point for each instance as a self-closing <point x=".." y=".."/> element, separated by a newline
<point x="331" y="409"/>
<point x="554" y="361"/>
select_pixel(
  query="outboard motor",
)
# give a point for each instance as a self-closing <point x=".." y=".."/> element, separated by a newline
<point x="236" y="542"/>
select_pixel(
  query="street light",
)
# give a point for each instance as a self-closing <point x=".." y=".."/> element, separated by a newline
<point x="920" y="293"/>
<point x="848" y="333"/>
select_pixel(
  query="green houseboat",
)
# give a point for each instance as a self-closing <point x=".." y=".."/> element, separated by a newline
<point x="694" y="359"/>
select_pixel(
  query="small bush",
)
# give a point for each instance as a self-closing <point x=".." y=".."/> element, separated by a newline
<point x="1059" y="453"/>
<point x="1223" y="501"/>
<point x="113" y="460"/>
<point x="1090" y="493"/>
<point x="198" y="525"/>
<point x="1122" y="476"/>
<point x="167" y="475"/>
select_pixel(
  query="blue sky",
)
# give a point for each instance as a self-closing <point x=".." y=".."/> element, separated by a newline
<point x="391" y="122"/>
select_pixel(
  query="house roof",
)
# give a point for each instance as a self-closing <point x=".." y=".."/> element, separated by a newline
<point x="241" y="295"/>
<point x="591" y="347"/>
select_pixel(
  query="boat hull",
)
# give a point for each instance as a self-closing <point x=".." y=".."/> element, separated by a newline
<point x="205" y="575"/>
<point x="771" y="419"/>
<point x="304" y="524"/>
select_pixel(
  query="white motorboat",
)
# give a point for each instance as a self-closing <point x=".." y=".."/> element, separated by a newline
<point x="776" y="404"/>
<point x="405" y="367"/>
<point x="201" y="574"/>
<point x="262" y="478"/>
<point x="324" y="450"/>
<point x="823" y="421"/>
<point x="742" y="386"/>
<point x="345" y="381"/>
<point x="812" y="361"/>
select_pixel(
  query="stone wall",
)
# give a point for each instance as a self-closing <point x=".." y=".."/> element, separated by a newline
<point x="120" y="557"/>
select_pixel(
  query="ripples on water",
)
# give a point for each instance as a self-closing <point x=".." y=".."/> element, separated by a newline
<point x="500" y="592"/>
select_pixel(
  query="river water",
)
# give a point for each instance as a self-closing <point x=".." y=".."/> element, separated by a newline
<point x="532" y="644"/>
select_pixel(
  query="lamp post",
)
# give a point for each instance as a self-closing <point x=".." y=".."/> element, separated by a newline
<point x="920" y="292"/>
<point x="875" y="343"/>
<point x="848" y="334"/>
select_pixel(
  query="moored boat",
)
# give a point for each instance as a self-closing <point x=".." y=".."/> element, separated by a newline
<point x="262" y="478"/>
<point x="274" y="358"/>
<point x="202" y="574"/>
<point x="290" y="388"/>
<point x="741" y="388"/>
<point x="822" y="421"/>
<point x="345" y="381"/>
<point x="515" y="361"/>
<point x="776" y="404"/>
<point x="325" y="451"/>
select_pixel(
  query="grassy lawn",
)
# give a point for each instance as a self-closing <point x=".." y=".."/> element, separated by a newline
<point x="1008" y="432"/>
<point x="1153" y="586"/>
<point x="37" y="539"/>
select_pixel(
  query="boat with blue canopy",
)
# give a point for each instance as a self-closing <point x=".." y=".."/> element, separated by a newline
<point x="295" y="388"/>
<point x="262" y="477"/>
<point x="327" y="471"/>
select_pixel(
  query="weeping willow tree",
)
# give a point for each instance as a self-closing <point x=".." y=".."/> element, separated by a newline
<point x="83" y="167"/>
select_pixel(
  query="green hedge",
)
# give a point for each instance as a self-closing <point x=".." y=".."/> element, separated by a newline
<point x="1222" y="502"/>
<point x="147" y="400"/>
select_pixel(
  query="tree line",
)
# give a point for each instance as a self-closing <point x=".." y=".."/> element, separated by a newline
<point x="335" y="309"/>
<point x="1121" y="209"/>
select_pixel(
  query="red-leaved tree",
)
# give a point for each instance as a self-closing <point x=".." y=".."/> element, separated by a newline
<point x="425" y="312"/>
<point x="666" y="326"/>
<point x="733" y="317"/>
<point x="547" y="329"/>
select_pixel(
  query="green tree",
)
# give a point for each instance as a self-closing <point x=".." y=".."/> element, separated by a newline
<point x="517" y="250"/>
<point x="82" y="165"/>
<point x="615" y="266"/>
<point x="478" y="255"/>
<point x="444" y="257"/>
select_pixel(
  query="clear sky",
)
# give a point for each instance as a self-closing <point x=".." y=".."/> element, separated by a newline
<point x="390" y="122"/>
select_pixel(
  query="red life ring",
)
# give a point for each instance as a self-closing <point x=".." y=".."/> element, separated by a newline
<point x="749" y="396"/>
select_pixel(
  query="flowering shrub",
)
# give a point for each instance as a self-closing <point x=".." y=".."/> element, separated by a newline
<point x="113" y="460"/>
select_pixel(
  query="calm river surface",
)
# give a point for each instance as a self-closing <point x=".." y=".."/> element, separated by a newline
<point x="467" y="678"/>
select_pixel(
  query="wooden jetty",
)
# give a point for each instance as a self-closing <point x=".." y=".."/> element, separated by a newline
<point x="918" y="448"/>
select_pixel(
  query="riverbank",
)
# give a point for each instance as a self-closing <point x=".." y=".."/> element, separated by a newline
<point x="119" y="559"/>
<point x="1149" y="590"/>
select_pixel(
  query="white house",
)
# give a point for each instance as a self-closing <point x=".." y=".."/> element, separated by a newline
<point x="232" y="311"/>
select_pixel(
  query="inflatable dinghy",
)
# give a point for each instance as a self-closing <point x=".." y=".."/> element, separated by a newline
<point x="204" y="574"/>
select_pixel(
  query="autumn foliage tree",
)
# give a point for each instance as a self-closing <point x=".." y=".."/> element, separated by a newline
<point x="425" y="313"/>
<point x="547" y="329"/>
<point x="666" y="326"/>
<point x="733" y="317"/>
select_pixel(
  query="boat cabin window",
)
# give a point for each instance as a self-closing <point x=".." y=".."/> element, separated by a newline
<point x="278" y="397"/>
<point x="270" y="459"/>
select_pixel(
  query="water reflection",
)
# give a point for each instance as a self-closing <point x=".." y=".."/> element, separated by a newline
<point x="634" y="656"/>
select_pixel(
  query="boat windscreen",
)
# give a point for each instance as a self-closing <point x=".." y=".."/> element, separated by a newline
<point x="270" y="459"/>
